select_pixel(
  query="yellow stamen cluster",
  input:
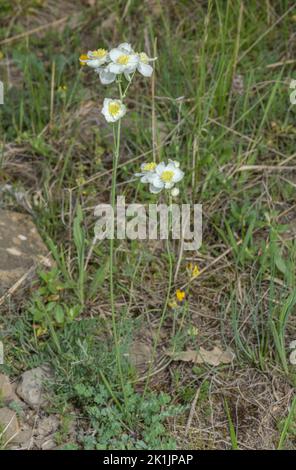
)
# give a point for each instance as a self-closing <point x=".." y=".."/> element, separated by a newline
<point x="123" y="59"/>
<point x="114" y="108"/>
<point x="143" y="57"/>
<point x="149" y="166"/>
<point x="167" y="176"/>
<point x="100" y="53"/>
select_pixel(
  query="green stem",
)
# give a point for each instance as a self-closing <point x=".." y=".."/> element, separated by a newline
<point x="111" y="260"/>
<point x="122" y="96"/>
<point x="162" y="318"/>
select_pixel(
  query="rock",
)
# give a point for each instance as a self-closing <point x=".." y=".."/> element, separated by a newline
<point x="45" y="432"/>
<point x="9" y="427"/>
<point x="21" y="247"/>
<point x="47" y="426"/>
<point x="23" y="438"/>
<point x="30" y="388"/>
<point x="6" y="391"/>
<point x="140" y="353"/>
<point x="49" y="444"/>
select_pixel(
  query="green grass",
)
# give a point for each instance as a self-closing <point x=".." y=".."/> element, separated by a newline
<point x="245" y="299"/>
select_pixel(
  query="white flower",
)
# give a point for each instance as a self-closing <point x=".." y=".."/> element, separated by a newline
<point x="146" y="170"/>
<point x="94" y="59"/>
<point x="164" y="177"/>
<point x="123" y="59"/>
<point x="113" y="109"/>
<point x="175" y="162"/>
<point x="175" y="192"/>
<point x="143" y="66"/>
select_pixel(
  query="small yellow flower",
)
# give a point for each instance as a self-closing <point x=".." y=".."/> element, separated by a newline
<point x="80" y="181"/>
<point x="82" y="59"/>
<point x="62" y="91"/>
<point x="173" y="304"/>
<point x="192" y="331"/>
<point x="40" y="330"/>
<point x="193" y="270"/>
<point x="180" y="295"/>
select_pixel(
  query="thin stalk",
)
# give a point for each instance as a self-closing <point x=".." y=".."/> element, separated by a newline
<point x="116" y="136"/>
<point x="162" y="318"/>
<point x="123" y="95"/>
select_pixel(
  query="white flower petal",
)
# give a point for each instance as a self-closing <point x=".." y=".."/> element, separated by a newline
<point x="160" y="168"/>
<point x="94" y="63"/>
<point x="154" y="179"/>
<point x="114" y="54"/>
<point x="175" y="163"/>
<point x="144" y="179"/>
<point x="153" y="189"/>
<point x="116" y="68"/>
<point x="126" y="47"/>
<point x="145" y="69"/>
<point x="292" y="357"/>
<point x="106" y="76"/>
<point x="178" y="175"/>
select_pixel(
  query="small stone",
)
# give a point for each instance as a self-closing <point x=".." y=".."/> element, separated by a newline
<point x="23" y="438"/>
<point x="21" y="248"/>
<point x="9" y="427"/>
<point x="30" y="388"/>
<point x="6" y="391"/>
<point x="140" y="353"/>
<point x="47" y="426"/>
<point x="49" y="444"/>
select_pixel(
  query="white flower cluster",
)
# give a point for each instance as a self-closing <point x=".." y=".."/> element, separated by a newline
<point x="161" y="176"/>
<point x="120" y="60"/>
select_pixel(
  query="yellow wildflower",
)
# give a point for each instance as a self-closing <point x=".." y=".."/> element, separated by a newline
<point x="193" y="270"/>
<point x="180" y="295"/>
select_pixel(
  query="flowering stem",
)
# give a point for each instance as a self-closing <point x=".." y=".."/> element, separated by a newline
<point x="116" y="136"/>
<point x="162" y="318"/>
<point x="128" y="85"/>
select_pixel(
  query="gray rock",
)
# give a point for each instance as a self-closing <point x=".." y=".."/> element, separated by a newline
<point x="9" y="427"/>
<point x="23" y="438"/>
<point x="47" y="426"/>
<point x="48" y="444"/>
<point x="6" y="391"/>
<point x="21" y="247"/>
<point x="30" y="388"/>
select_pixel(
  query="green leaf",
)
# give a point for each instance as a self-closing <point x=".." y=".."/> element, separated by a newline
<point x="59" y="314"/>
<point x="280" y="264"/>
<point x="98" y="279"/>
